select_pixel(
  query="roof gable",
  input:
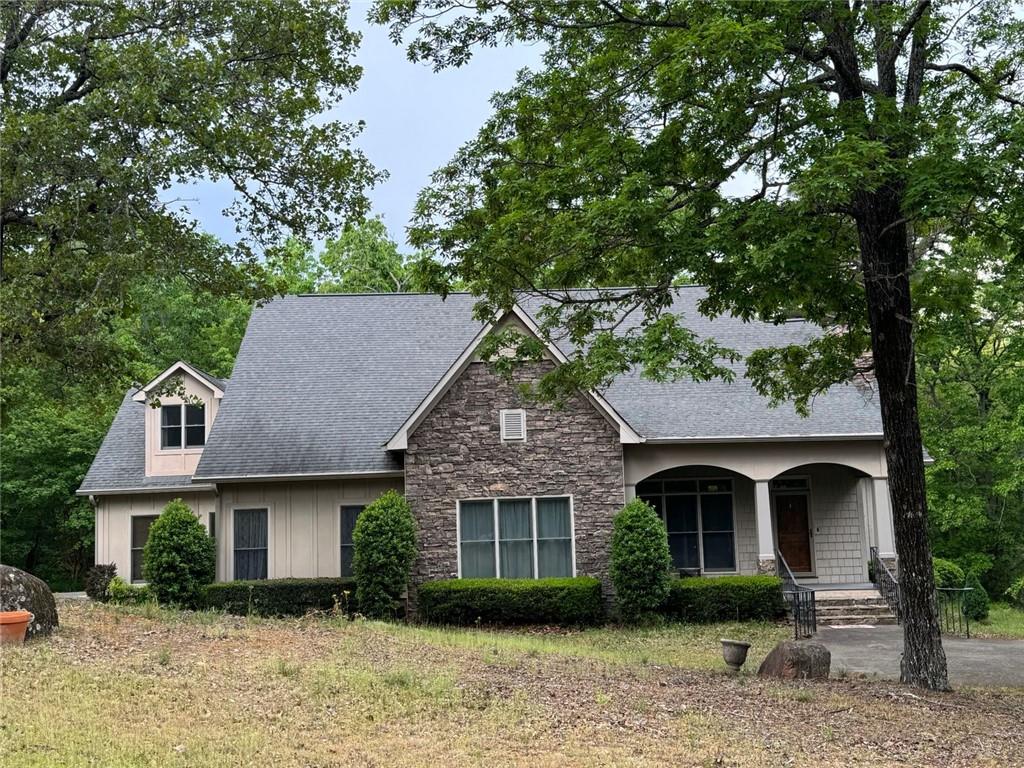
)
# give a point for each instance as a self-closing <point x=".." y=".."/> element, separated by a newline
<point x="399" y="441"/>
<point x="215" y="385"/>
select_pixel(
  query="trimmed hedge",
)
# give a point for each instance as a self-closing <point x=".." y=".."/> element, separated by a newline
<point x="179" y="558"/>
<point x="571" y="601"/>
<point x="640" y="561"/>
<point x="702" y="600"/>
<point x="947" y="574"/>
<point x="281" y="597"/>
<point x="976" y="602"/>
<point x="385" y="548"/>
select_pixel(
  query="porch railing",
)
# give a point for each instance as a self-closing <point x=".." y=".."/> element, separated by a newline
<point x="800" y="600"/>
<point x="950" y="603"/>
<point x="888" y="586"/>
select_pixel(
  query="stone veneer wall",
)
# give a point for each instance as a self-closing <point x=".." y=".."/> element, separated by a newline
<point x="456" y="453"/>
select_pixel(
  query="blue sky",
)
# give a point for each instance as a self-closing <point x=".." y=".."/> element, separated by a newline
<point x="415" y="121"/>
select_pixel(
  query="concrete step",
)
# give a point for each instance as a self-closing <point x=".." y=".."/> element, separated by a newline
<point x="854" y="619"/>
<point x="838" y="610"/>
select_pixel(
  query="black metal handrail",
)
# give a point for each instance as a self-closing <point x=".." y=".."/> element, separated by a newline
<point x="800" y="598"/>
<point x="888" y="585"/>
<point x="950" y="604"/>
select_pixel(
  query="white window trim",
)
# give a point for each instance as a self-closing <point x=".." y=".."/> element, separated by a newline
<point x="700" y="517"/>
<point x="230" y="536"/>
<point x="191" y="449"/>
<point x="521" y="412"/>
<point x="533" y="522"/>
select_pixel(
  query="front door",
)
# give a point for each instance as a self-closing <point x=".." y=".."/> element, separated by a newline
<point x="794" y="532"/>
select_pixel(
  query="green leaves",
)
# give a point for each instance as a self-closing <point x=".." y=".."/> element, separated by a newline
<point x="385" y="547"/>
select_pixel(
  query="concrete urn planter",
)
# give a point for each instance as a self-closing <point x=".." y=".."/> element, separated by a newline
<point x="734" y="652"/>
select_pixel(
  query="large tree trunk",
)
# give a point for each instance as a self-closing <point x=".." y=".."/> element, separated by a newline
<point x="886" y="260"/>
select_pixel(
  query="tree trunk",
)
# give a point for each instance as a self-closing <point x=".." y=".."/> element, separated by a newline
<point x="885" y="259"/>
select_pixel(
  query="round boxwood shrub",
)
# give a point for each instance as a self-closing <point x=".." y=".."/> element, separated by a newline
<point x="976" y="600"/>
<point x="948" y="575"/>
<point x="98" y="579"/>
<point x="179" y="558"/>
<point x="385" y="547"/>
<point x="640" y="562"/>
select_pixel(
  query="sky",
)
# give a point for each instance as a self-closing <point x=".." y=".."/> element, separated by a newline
<point x="415" y="118"/>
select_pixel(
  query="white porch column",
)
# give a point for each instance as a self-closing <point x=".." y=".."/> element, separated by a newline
<point x="763" y="520"/>
<point x="883" y="517"/>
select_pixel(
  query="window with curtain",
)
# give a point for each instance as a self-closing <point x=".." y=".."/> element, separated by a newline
<point x="698" y="515"/>
<point x="140" y="534"/>
<point x="349" y="514"/>
<point x="250" y="543"/>
<point x="519" y="538"/>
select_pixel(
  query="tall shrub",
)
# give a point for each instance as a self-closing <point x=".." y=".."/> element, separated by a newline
<point x="640" y="561"/>
<point x="948" y="575"/>
<point x="98" y="579"/>
<point x="976" y="601"/>
<point x="385" y="547"/>
<point x="179" y="558"/>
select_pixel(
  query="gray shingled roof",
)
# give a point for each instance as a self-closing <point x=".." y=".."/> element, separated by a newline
<point x="321" y="382"/>
<point x="120" y="463"/>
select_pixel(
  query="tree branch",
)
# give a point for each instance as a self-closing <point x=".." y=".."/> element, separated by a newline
<point x="974" y="77"/>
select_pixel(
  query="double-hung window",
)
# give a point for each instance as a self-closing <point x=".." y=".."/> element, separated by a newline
<point x="182" y="426"/>
<point x="516" y="538"/>
<point x="140" y="534"/>
<point x="699" y="518"/>
<point x="349" y="514"/>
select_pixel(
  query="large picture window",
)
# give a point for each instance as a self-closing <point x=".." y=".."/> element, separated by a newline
<point x="698" y="515"/>
<point x="140" y="534"/>
<point x="182" y="426"/>
<point x="517" y="538"/>
<point x="349" y="514"/>
<point x="250" y="543"/>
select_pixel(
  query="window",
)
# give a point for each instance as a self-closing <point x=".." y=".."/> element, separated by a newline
<point x="519" y="538"/>
<point x="513" y="425"/>
<point x="250" y="543"/>
<point x="140" y="534"/>
<point x="213" y="525"/>
<point x="698" y="515"/>
<point x="174" y="433"/>
<point x="348" y="526"/>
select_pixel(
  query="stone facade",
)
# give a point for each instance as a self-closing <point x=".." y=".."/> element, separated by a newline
<point x="456" y="453"/>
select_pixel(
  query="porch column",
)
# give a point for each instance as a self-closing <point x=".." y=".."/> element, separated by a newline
<point x="883" y="517"/>
<point x="763" y="520"/>
<point x="630" y="492"/>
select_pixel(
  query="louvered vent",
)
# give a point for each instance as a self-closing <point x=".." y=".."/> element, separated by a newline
<point x="513" y="425"/>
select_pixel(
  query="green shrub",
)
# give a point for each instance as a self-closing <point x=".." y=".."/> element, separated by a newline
<point x="385" y="547"/>
<point x="702" y="600"/>
<point x="976" y="600"/>
<point x="281" y="597"/>
<point x="640" y="561"/>
<point x="179" y="559"/>
<point x="948" y="575"/>
<point x="508" y="602"/>
<point x="121" y="592"/>
<point x="1015" y="593"/>
<point x="98" y="579"/>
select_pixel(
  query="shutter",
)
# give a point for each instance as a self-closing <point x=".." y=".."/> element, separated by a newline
<point x="513" y="425"/>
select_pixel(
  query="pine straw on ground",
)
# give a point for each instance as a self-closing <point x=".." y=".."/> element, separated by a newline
<point x="118" y="688"/>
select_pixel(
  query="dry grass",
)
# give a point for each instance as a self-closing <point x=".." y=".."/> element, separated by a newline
<point x="156" y="688"/>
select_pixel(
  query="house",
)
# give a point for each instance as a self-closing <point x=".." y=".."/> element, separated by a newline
<point x="336" y="398"/>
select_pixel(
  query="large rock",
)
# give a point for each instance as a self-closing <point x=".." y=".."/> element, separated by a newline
<point x="20" y="591"/>
<point x="797" y="660"/>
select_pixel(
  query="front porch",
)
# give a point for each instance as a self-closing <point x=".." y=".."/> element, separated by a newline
<point x="750" y="506"/>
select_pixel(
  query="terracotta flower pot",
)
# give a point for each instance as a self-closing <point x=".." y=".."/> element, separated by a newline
<point x="13" y="625"/>
<point x="734" y="652"/>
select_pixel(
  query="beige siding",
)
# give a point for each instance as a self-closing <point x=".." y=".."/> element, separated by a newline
<point x="304" y="522"/>
<point x="113" y="522"/>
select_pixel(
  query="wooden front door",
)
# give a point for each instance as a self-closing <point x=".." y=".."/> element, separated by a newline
<point x="794" y="532"/>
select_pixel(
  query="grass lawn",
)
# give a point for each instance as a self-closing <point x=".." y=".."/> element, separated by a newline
<point x="1003" y="621"/>
<point x="146" y="687"/>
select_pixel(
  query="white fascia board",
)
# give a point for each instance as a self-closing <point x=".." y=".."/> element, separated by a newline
<point x="141" y="395"/>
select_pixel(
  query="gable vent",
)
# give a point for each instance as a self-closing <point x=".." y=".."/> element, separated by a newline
<point x="513" y="425"/>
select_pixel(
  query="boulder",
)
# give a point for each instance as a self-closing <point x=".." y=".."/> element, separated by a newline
<point x="797" y="660"/>
<point x="20" y="591"/>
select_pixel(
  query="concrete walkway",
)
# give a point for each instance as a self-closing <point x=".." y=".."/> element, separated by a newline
<point x="877" y="651"/>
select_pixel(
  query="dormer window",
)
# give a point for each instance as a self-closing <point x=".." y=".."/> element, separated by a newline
<point x="178" y="432"/>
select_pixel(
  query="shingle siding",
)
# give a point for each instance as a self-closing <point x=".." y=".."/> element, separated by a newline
<point x="838" y="525"/>
<point x="457" y="453"/>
